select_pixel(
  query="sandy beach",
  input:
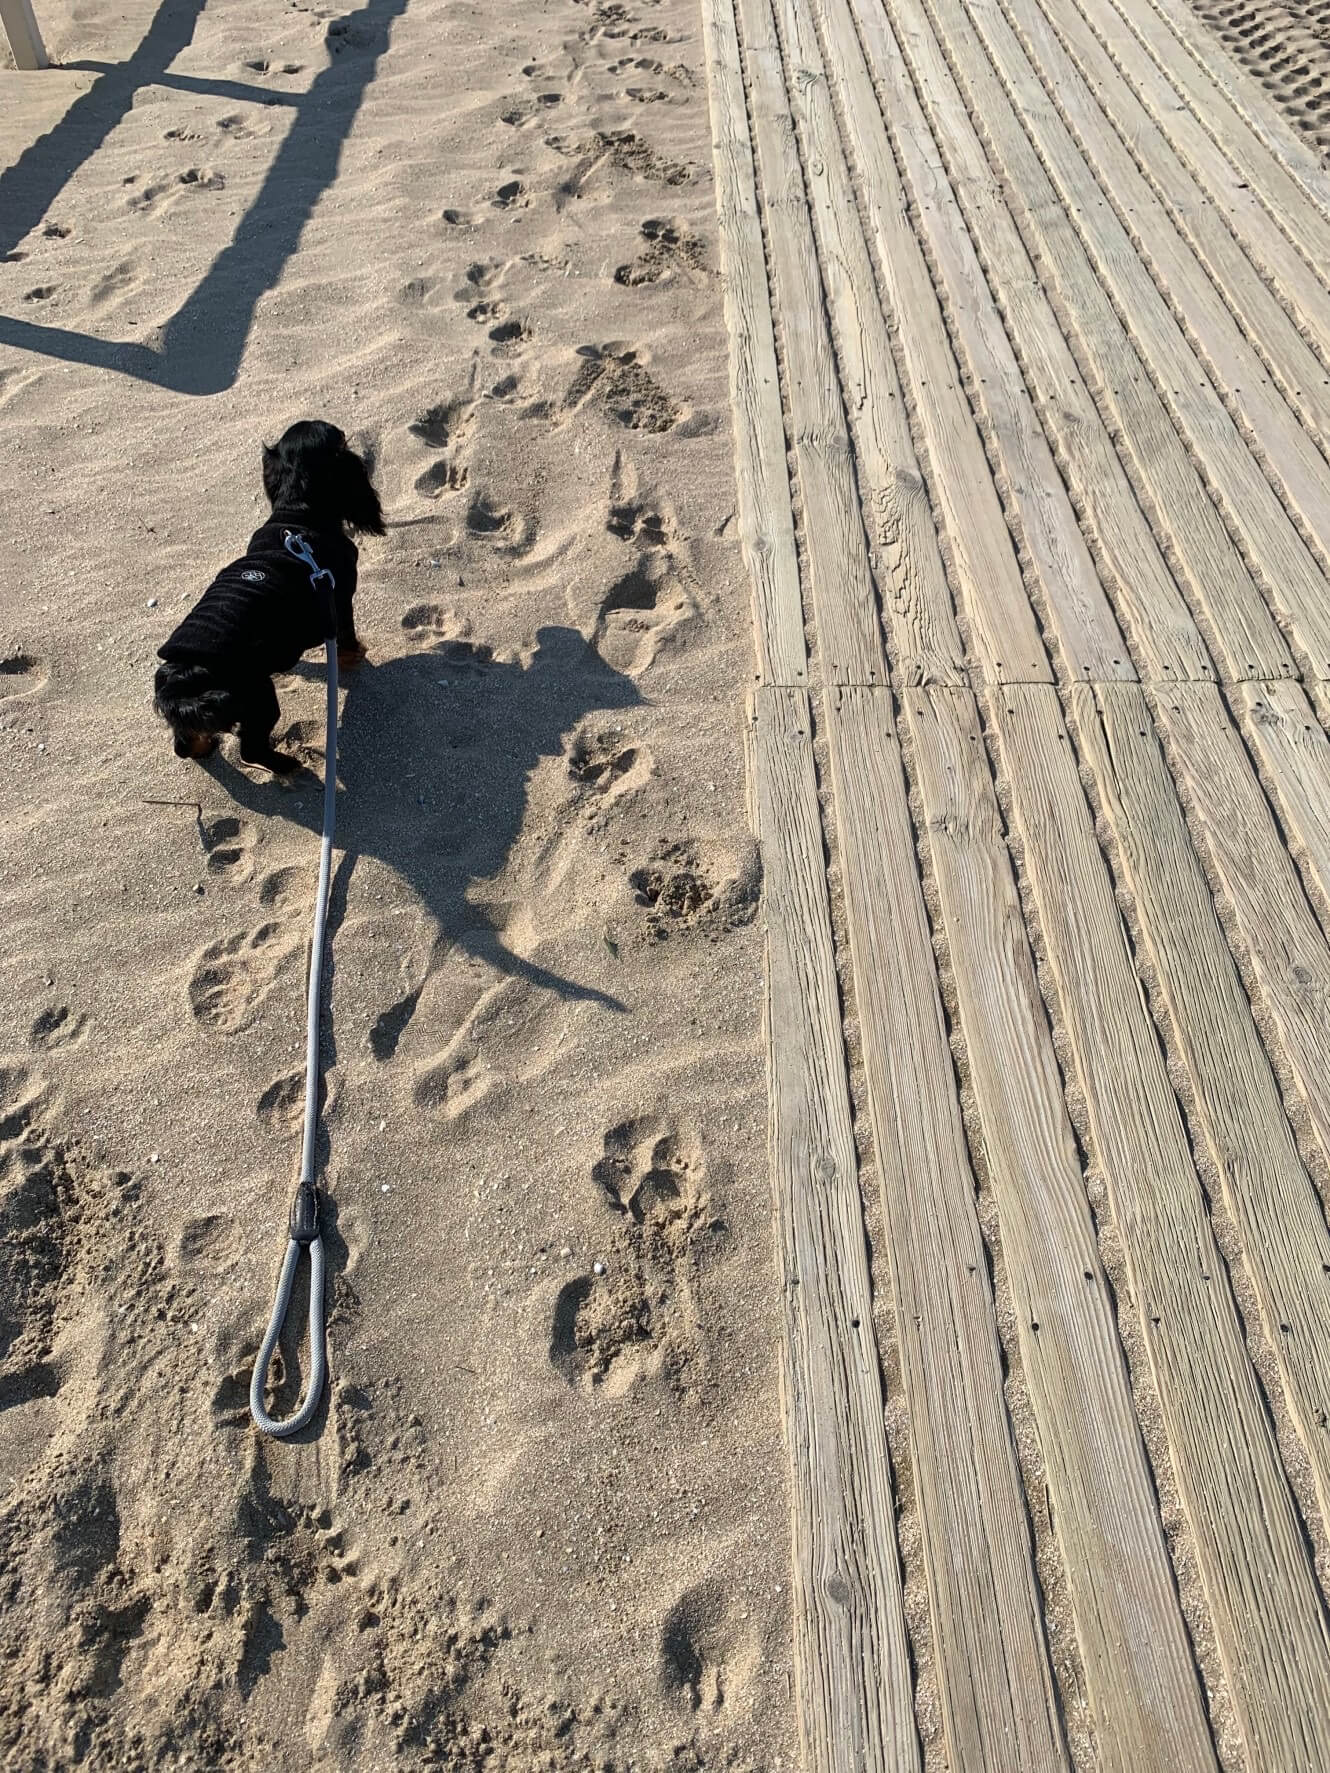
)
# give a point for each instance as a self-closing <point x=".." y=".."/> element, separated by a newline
<point x="542" y="1520"/>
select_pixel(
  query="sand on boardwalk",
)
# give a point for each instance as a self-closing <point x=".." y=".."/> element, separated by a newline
<point x="543" y="1521"/>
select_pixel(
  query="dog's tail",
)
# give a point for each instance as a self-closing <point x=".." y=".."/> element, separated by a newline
<point x="192" y="702"/>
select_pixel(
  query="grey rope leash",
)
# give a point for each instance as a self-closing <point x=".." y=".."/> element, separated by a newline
<point x="303" y="1226"/>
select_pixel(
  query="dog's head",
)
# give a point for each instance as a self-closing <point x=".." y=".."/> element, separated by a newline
<point x="312" y="468"/>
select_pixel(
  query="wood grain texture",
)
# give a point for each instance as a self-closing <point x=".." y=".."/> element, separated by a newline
<point x="1263" y="1602"/>
<point x="1076" y="610"/>
<point x="1279" y="1236"/>
<point x="962" y="212"/>
<point x="1284" y="170"/>
<point x="1172" y="146"/>
<point x="1289" y="575"/>
<point x="1140" y="1677"/>
<point x="1273" y="926"/>
<point x="855" y="1699"/>
<point x="1292" y="755"/>
<point x="923" y="641"/>
<point x="1262" y="458"/>
<point x="843" y="594"/>
<point x="995" y="1685"/>
<point x="1049" y="377"/>
<point x="1004" y="635"/>
<point x="766" y="522"/>
<point x="1229" y="604"/>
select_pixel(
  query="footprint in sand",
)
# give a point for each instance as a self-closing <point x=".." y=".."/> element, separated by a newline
<point x="522" y="111"/>
<point x="58" y="1027"/>
<point x="281" y="1107"/>
<point x="708" y="1651"/>
<point x="414" y="293"/>
<point x="113" y="283"/>
<point x="634" y="512"/>
<point x="669" y="248"/>
<point x="482" y="276"/>
<point x="33" y="1243"/>
<point x="234" y="975"/>
<point x="203" y="178"/>
<point x="510" y="338"/>
<point x="287" y="889"/>
<point x="610" y="20"/>
<point x="631" y="154"/>
<point x="445" y="424"/>
<point x="514" y="192"/>
<point x="504" y="1042"/>
<point x="637" y="1319"/>
<point x="505" y="389"/>
<point x="608" y="765"/>
<point x="20" y="674"/>
<point x="229" y="843"/>
<point x="442" y="477"/>
<point x="641" y="611"/>
<point x="507" y="531"/>
<point x="448" y="632"/>
<point x="42" y="293"/>
<point x="679" y="891"/>
<point x="486" y="313"/>
<point x="616" y="374"/>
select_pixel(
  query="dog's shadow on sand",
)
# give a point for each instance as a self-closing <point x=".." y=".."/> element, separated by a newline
<point x="434" y="753"/>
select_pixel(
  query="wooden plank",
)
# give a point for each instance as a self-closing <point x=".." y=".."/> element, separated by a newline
<point x="1147" y="597"/>
<point x="1263" y="1603"/>
<point x="1276" y="934"/>
<point x="766" y="522"/>
<point x="1229" y="609"/>
<point x="1001" y="624"/>
<point x="843" y="594"/>
<point x="1293" y="756"/>
<point x="1140" y="1677"/>
<point x="1286" y="170"/>
<point x="1276" y="444"/>
<point x="1280" y="559"/>
<point x="1073" y="605"/>
<point x="995" y="1685"/>
<point x="1265" y="322"/>
<point x="1277" y="1220"/>
<point x="855" y="1698"/>
<point x="991" y="1663"/>
<point x="1138" y="88"/>
<point x="923" y="642"/>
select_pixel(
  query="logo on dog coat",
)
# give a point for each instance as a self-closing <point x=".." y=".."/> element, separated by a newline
<point x="253" y="576"/>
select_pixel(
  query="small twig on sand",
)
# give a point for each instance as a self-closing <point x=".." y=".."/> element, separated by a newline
<point x="198" y="814"/>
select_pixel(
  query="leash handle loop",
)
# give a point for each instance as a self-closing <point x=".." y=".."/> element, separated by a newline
<point x="303" y="1225"/>
<point x="318" y="1352"/>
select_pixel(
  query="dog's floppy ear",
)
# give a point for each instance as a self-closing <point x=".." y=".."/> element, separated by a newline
<point x="357" y="501"/>
<point x="312" y="468"/>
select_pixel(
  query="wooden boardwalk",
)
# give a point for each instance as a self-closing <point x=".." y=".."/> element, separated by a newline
<point x="1030" y="330"/>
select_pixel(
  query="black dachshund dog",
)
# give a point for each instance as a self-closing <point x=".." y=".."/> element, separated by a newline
<point x="262" y="612"/>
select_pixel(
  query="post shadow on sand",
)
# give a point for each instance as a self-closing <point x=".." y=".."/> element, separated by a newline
<point x="199" y="349"/>
<point x="433" y="778"/>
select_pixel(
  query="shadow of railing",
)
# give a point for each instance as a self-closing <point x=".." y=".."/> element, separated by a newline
<point x="198" y="350"/>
